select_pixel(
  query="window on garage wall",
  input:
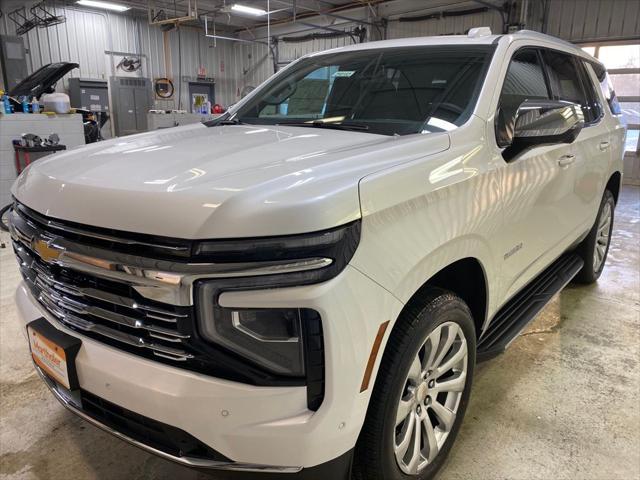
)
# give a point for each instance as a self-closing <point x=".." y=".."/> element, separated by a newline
<point x="623" y="65"/>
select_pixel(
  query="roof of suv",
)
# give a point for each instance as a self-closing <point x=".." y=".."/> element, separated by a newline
<point x="465" y="40"/>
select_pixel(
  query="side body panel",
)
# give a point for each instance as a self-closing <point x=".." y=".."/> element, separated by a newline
<point x="515" y="219"/>
<point x="542" y="213"/>
<point x="424" y="215"/>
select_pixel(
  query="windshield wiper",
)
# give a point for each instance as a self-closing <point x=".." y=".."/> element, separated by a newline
<point x="235" y="121"/>
<point x="223" y="120"/>
<point x="332" y="125"/>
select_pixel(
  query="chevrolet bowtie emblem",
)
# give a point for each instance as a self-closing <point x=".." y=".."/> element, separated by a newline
<point x="45" y="251"/>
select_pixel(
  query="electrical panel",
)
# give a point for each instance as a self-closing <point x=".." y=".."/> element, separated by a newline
<point x="131" y="101"/>
<point x="13" y="59"/>
<point x="92" y="95"/>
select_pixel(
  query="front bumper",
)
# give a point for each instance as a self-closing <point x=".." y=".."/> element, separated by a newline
<point x="258" y="428"/>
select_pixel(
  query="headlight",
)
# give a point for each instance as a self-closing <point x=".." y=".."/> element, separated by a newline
<point x="284" y="344"/>
<point x="336" y="245"/>
<point x="270" y="337"/>
<point x="274" y="339"/>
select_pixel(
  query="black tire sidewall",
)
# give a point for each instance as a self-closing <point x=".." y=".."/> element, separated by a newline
<point x="4" y="211"/>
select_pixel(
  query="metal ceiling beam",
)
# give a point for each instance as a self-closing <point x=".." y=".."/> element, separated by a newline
<point x="329" y="29"/>
<point x="233" y="39"/>
<point x="325" y="13"/>
<point x="274" y="55"/>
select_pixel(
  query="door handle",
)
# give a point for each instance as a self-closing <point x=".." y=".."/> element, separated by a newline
<point x="604" y="145"/>
<point x="566" y="160"/>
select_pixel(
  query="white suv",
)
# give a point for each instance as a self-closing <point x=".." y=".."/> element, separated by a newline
<point x="304" y="285"/>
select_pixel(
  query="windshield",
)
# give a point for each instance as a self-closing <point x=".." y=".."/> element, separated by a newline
<point x="390" y="91"/>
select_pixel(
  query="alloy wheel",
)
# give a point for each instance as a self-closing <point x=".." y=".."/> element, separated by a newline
<point x="430" y="398"/>
<point x="602" y="236"/>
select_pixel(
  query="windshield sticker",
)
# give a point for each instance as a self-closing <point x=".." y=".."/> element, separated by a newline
<point x="344" y="73"/>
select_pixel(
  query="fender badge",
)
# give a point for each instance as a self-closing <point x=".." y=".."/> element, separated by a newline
<point x="515" y="249"/>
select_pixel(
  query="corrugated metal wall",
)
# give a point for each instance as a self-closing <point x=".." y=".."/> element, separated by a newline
<point x="588" y="20"/>
<point x="448" y="25"/>
<point x="290" y="51"/>
<point x="87" y="34"/>
<point x="572" y="20"/>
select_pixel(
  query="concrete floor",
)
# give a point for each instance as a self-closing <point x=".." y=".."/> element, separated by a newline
<point x="562" y="403"/>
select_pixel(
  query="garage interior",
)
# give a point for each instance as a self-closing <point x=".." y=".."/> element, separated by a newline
<point x="561" y="402"/>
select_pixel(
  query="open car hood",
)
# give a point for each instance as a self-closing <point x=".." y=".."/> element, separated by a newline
<point x="42" y="79"/>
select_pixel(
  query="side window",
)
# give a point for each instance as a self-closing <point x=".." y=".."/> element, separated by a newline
<point x="595" y="107"/>
<point x="524" y="80"/>
<point x="607" y="88"/>
<point x="565" y="80"/>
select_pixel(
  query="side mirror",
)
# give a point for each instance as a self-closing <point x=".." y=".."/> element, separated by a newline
<point x="544" y="122"/>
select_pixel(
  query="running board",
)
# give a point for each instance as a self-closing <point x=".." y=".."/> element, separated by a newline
<point x="514" y="316"/>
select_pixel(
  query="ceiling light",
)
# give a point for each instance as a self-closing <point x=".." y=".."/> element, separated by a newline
<point x="106" y="5"/>
<point x="250" y="10"/>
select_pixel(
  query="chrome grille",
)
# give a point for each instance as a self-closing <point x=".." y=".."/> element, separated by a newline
<point x="103" y="310"/>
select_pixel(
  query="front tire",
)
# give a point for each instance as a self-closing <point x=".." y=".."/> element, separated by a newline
<point x="421" y="392"/>
<point x="4" y="217"/>
<point x="594" y="248"/>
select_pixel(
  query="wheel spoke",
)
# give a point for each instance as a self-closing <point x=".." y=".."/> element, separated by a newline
<point x="450" y="338"/>
<point x="453" y="360"/>
<point x="606" y="216"/>
<point x="415" y="372"/>
<point x="401" y="448"/>
<point x="417" y="441"/>
<point x="451" y="384"/>
<point x="432" y="442"/>
<point x="603" y="222"/>
<point x="433" y="341"/>
<point x="445" y="416"/>
<point x="404" y="409"/>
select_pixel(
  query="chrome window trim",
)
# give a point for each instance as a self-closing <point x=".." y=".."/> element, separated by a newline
<point x="188" y="461"/>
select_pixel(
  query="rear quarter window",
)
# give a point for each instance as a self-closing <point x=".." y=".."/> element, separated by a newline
<point x="606" y="86"/>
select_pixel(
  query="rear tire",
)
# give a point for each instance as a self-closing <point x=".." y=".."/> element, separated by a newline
<point x="594" y="248"/>
<point x="424" y="381"/>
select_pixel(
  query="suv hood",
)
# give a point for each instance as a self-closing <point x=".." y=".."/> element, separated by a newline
<point x="196" y="182"/>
